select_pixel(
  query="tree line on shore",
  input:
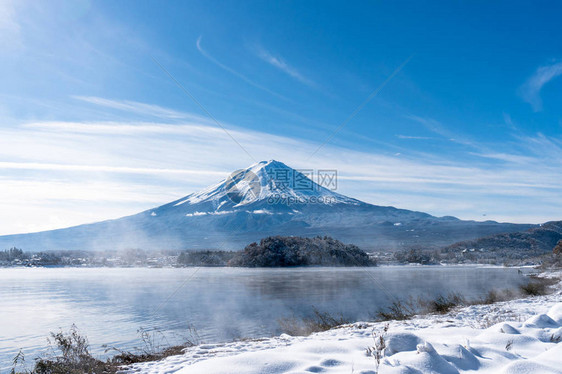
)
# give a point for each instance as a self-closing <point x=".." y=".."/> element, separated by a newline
<point x="280" y="251"/>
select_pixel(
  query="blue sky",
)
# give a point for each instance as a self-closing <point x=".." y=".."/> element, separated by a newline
<point x="92" y="128"/>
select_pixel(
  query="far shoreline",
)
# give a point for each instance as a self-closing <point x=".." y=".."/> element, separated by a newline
<point x="413" y="265"/>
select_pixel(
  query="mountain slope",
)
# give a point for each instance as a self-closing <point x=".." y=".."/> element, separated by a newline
<point x="533" y="242"/>
<point x="266" y="199"/>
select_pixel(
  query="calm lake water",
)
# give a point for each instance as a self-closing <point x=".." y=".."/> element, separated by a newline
<point x="110" y="305"/>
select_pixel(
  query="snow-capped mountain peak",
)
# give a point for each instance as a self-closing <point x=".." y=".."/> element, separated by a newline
<point x="266" y="182"/>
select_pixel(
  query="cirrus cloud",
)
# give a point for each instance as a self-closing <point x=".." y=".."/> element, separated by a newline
<point x="531" y="90"/>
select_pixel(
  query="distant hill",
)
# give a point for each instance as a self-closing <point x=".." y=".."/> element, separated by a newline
<point x="281" y="251"/>
<point x="533" y="242"/>
<point x="267" y="199"/>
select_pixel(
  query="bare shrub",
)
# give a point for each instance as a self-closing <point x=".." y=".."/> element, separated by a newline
<point x="491" y="298"/>
<point x="377" y="350"/>
<point x="538" y="286"/>
<point x="443" y="304"/>
<point x="495" y="296"/>
<point x="70" y="355"/>
<point x="533" y="289"/>
<point x="319" y="321"/>
<point x="18" y="364"/>
<point x="398" y="310"/>
<point x="155" y="346"/>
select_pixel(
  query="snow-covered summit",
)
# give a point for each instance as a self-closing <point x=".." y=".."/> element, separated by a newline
<point x="271" y="182"/>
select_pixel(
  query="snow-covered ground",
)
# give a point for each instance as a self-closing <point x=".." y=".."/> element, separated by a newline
<point x="518" y="336"/>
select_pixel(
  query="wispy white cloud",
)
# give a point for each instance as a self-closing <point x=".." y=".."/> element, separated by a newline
<point x="107" y="169"/>
<point x="100" y="190"/>
<point x="530" y="91"/>
<point x="282" y="65"/>
<point x="10" y="29"/>
<point x="550" y="148"/>
<point x="135" y="107"/>
<point x="399" y="136"/>
<point x="508" y="121"/>
<point x="35" y="204"/>
<point x="234" y="72"/>
<point x="507" y="157"/>
<point x="438" y="128"/>
<point x="127" y="128"/>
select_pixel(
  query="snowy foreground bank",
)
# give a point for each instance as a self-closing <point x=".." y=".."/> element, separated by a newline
<point x="518" y="336"/>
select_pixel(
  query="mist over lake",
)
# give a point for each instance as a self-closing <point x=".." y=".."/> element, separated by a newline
<point x="109" y="305"/>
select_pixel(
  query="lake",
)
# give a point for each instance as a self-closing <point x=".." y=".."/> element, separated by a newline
<point x="110" y="305"/>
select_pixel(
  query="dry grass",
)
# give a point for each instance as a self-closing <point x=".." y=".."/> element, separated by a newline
<point x="319" y="321"/>
<point x="69" y="354"/>
<point x="443" y="304"/>
<point x="538" y="286"/>
<point x="377" y="350"/>
<point x="398" y="310"/>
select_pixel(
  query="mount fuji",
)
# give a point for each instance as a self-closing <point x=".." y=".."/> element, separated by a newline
<point x="267" y="198"/>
